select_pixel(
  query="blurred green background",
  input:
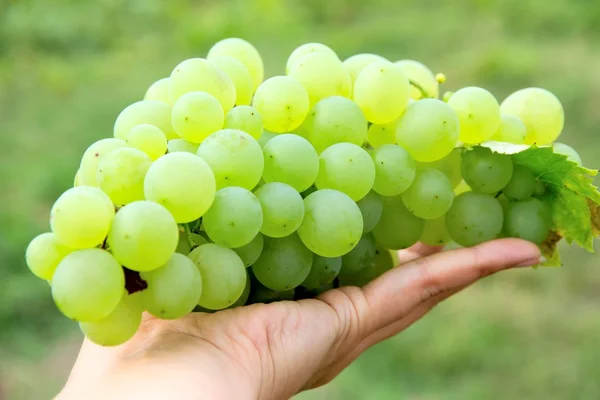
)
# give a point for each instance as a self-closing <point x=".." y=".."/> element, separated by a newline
<point x="67" y="67"/>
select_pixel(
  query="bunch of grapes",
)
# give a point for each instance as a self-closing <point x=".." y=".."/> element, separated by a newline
<point x="220" y="189"/>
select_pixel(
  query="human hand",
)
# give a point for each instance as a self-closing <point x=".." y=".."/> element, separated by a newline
<point x="273" y="351"/>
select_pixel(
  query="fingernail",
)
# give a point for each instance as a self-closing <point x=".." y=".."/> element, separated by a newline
<point x="531" y="261"/>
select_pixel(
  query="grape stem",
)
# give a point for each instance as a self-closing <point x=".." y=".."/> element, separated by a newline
<point x="421" y="89"/>
<point x="188" y="233"/>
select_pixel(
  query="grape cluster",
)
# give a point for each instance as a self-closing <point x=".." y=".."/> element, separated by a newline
<point x="220" y="188"/>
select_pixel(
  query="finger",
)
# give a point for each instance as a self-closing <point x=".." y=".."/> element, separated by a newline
<point x="417" y="250"/>
<point x="399" y="290"/>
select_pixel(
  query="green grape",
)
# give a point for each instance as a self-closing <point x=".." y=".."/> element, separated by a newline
<point x="422" y="76"/>
<point x="183" y="183"/>
<point x="528" y="219"/>
<point x="474" y="218"/>
<point x="430" y="195"/>
<point x="223" y="275"/>
<point x="282" y="103"/>
<point x="175" y="145"/>
<point x="81" y="217"/>
<point x="77" y="178"/>
<point x="291" y="159"/>
<point x="143" y="236"/>
<point x="449" y="165"/>
<point x="234" y="218"/>
<point x="151" y="112"/>
<point x="243" y="51"/>
<point x="200" y="75"/>
<point x="360" y="256"/>
<point x="322" y="75"/>
<point x="380" y="134"/>
<point x="381" y="263"/>
<point x="371" y="207"/>
<point x="540" y="189"/>
<point x="173" y="289"/>
<point x="198" y="240"/>
<point x="262" y="294"/>
<point x="249" y="253"/>
<point x="521" y="185"/>
<point x="541" y="112"/>
<point x="332" y="225"/>
<point x="356" y="63"/>
<point x="283" y="264"/>
<point x="88" y="285"/>
<point x="305" y="49"/>
<point x="486" y="172"/>
<point x="381" y="90"/>
<point x="435" y="232"/>
<point x="235" y="158"/>
<point x="159" y="90"/>
<point x="428" y="130"/>
<point x="398" y="228"/>
<point x="92" y="157"/>
<point x="334" y="120"/>
<point x="44" y="253"/>
<point x="478" y="112"/>
<point x="348" y="168"/>
<point x="196" y="115"/>
<point x="568" y="151"/>
<point x="245" y="118"/>
<point x="121" y="174"/>
<point x="395" y="170"/>
<point x="117" y="328"/>
<point x="243" y="299"/>
<point x="283" y="209"/>
<point x="239" y="75"/>
<point x="511" y="130"/>
<point x="184" y="246"/>
<point x="148" y="139"/>
<point x="266" y="137"/>
<point x="323" y="271"/>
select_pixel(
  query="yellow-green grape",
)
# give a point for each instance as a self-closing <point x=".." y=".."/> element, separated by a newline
<point x="541" y="112"/>
<point x="440" y="77"/>
<point x="568" y="151"/>
<point x="485" y="171"/>
<point x="249" y="253"/>
<point x="334" y="120"/>
<point x="305" y="49"/>
<point x="81" y="217"/>
<point x="371" y="207"/>
<point x="149" y="139"/>
<point x="356" y="63"/>
<point x="290" y="159"/>
<point x="359" y="257"/>
<point x="223" y="275"/>
<point x="143" y="236"/>
<point x="430" y="194"/>
<point x="284" y="263"/>
<point x="478" y="112"/>
<point x="332" y="225"/>
<point x="117" y="328"/>
<point x="428" y="130"/>
<point x="418" y="74"/>
<point x="159" y="90"/>
<point x="240" y="76"/>
<point x="77" y="178"/>
<point x="283" y="209"/>
<point x="91" y="158"/>
<point x="323" y="271"/>
<point x="474" y="218"/>
<point x="88" y="285"/>
<point x="398" y="228"/>
<point x="44" y="253"/>
<point x="245" y="118"/>
<point x="121" y="174"/>
<point x="381" y="91"/>
<point x="243" y="51"/>
<point x="183" y="183"/>
<point x="282" y="102"/>
<point x="174" y="289"/>
<point x="235" y="158"/>
<point x="435" y="232"/>
<point x="176" y="145"/>
<point x="151" y="112"/>
<point x="348" y="168"/>
<point x="449" y="165"/>
<point x="511" y="130"/>
<point x="380" y="134"/>
<point x="528" y="219"/>
<point x="184" y="245"/>
<point x="394" y="170"/>
<point x="196" y="115"/>
<point x="322" y="75"/>
<point x="235" y="217"/>
<point x="199" y="75"/>
<point x="521" y="185"/>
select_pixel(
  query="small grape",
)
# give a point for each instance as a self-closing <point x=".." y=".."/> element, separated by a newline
<point x="117" y="328"/>
<point x="474" y="218"/>
<point x="196" y="115"/>
<point x="323" y="271"/>
<point x="478" y="112"/>
<point x="430" y="195"/>
<point x="245" y="118"/>
<point x="239" y="75"/>
<point x="175" y="145"/>
<point x="398" y="228"/>
<point x="359" y="257"/>
<point x="521" y="185"/>
<point x="282" y="102"/>
<point x="371" y="207"/>
<point x="395" y="170"/>
<point x="356" y="63"/>
<point x="243" y="51"/>
<point x="290" y="159"/>
<point x="305" y="49"/>
<point x="249" y="253"/>
<point x="568" y="151"/>
<point x="159" y="90"/>
<point x="528" y="219"/>
<point x="511" y="130"/>
<point x="148" y="139"/>
<point x="44" y="253"/>
<point x="92" y="157"/>
<point x="421" y="75"/>
<point x="283" y="209"/>
<point x="485" y="171"/>
<point x="121" y="174"/>
<point x="151" y="112"/>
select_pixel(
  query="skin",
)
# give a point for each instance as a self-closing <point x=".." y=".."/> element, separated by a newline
<point x="277" y="350"/>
